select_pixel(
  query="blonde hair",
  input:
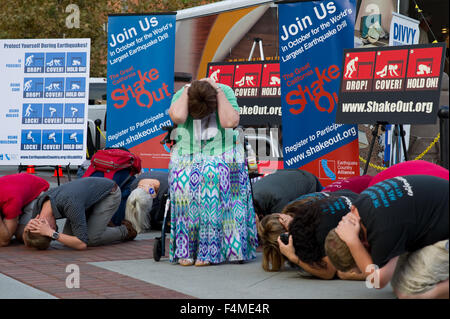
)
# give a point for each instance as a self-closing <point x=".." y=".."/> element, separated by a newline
<point x="269" y="229"/>
<point x="338" y="252"/>
<point x="37" y="241"/>
<point x="137" y="210"/>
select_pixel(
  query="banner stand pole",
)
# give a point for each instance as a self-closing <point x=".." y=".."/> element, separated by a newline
<point x="68" y="172"/>
<point x="261" y="52"/>
<point x="443" y="129"/>
<point x="402" y="134"/>
<point x="372" y="144"/>
<point x="57" y="174"/>
<point x="398" y="131"/>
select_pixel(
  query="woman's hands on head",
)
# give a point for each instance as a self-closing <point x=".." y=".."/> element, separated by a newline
<point x="210" y="81"/>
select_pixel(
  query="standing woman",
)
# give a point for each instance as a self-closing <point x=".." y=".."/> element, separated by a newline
<point x="212" y="214"/>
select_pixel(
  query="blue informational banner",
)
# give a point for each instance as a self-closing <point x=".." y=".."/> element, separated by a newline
<point x="140" y="72"/>
<point x="312" y="38"/>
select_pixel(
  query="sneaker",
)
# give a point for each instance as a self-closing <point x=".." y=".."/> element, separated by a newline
<point x="132" y="233"/>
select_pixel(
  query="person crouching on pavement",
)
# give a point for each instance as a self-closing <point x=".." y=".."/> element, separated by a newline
<point x="88" y="204"/>
<point x="307" y="220"/>
<point x="397" y="231"/>
<point x="18" y="193"/>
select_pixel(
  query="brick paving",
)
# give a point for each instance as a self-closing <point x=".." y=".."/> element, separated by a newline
<point x="46" y="271"/>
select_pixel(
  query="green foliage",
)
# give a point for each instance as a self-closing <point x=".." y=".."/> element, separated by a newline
<point x="46" y="19"/>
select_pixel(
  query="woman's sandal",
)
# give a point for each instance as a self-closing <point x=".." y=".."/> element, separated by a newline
<point x="186" y="261"/>
<point x="201" y="263"/>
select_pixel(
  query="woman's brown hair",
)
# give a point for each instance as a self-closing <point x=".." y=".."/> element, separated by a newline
<point x="202" y="99"/>
<point x="269" y="229"/>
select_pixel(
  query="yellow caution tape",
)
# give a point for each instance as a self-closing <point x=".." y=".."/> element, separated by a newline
<point x="101" y="132"/>
<point x="429" y="147"/>
<point x="381" y="168"/>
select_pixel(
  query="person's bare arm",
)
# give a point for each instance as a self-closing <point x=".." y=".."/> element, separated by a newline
<point x="328" y="272"/>
<point x="7" y="229"/>
<point x="386" y="272"/>
<point x="4" y="234"/>
<point x="228" y="116"/>
<point x="72" y="242"/>
<point x="351" y="275"/>
<point x="19" y="232"/>
<point x="379" y="277"/>
<point x="178" y="110"/>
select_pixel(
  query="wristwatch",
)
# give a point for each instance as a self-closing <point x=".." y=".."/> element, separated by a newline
<point x="55" y="235"/>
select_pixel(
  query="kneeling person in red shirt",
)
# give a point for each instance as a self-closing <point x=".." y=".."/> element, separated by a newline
<point x="18" y="193"/>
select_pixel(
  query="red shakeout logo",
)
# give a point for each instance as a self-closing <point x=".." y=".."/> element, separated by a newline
<point x="271" y="75"/>
<point x="391" y="64"/>
<point x="315" y="93"/>
<point x="424" y="68"/>
<point x="359" y="69"/>
<point x="143" y="97"/>
<point x="390" y="70"/>
<point x="222" y="74"/>
<point x="247" y="75"/>
<point x="424" y="62"/>
<point x="359" y="66"/>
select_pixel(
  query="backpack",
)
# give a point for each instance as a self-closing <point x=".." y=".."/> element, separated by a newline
<point x="120" y="165"/>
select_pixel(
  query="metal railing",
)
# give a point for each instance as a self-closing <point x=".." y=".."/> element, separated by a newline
<point x="443" y="128"/>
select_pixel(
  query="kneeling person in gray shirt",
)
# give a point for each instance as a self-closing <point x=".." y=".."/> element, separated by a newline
<point x="88" y="204"/>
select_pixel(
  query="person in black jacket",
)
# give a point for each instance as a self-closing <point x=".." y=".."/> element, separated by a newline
<point x="272" y="192"/>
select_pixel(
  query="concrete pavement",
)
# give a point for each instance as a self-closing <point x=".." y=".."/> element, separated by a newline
<point x="240" y="281"/>
<point x="14" y="289"/>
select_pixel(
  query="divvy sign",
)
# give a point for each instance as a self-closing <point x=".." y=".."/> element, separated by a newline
<point x="404" y="30"/>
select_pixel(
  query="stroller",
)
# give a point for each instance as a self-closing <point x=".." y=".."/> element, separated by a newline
<point x="120" y="165"/>
<point x="159" y="245"/>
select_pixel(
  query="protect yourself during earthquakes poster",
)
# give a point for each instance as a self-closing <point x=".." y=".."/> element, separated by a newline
<point x="312" y="38"/>
<point x="140" y="77"/>
<point x="44" y="88"/>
